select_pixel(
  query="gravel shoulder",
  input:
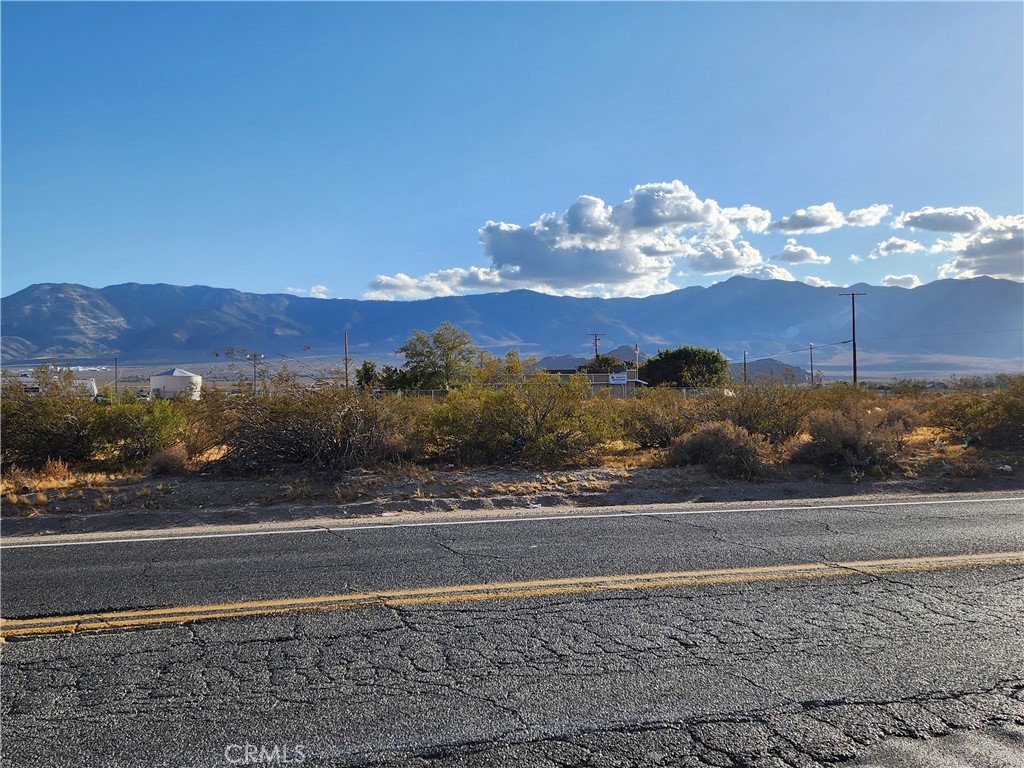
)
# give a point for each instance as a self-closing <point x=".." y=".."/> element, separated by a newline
<point x="204" y="504"/>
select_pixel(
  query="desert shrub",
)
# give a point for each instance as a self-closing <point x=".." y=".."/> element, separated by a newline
<point x="478" y="425"/>
<point x="996" y="418"/>
<point x="55" y="424"/>
<point x="204" y="424"/>
<point x="322" y="430"/>
<point x="725" y="448"/>
<point x="770" y="408"/>
<point x="539" y="421"/>
<point x="839" y="395"/>
<point x="172" y="460"/>
<point x="558" y="428"/>
<point x="654" y="418"/>
<point x="912" y="388"/>
<point x="858" y="438"/>
<point x="129" y="431"/>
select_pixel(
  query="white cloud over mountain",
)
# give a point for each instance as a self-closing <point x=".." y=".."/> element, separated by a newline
<point x="800" y="254"/>
<point x="995" y="249"/>
<point x="665" y="230"/>
<point x="817" y="282"/>
<point x="596" y="249"/>
<point x="316" y="292"/>
<point x="901" y="281"/>
<point x="769" y="272"/>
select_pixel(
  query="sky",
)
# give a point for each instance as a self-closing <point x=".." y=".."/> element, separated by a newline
<point x="408" y="150"/>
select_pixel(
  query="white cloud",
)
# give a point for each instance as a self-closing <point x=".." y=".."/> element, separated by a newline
<point x="868" y="217"/>
<point x="752" y="219"/>
<point x="714" y="256"/>
<point x="995" y="250"/>
<point x="447" y="282"/>
<point x="595" y="249"/>
<point x="813" y="219"/>
<point x="817" y="282"/>
<point x="901" y="281"/>
<point x="665" y="204"/>
<point x="896" y="245"/>
<point x="317" y="291"/>
<point x="769" y="272"/>
<point x="964" y="219"/>
<point x="800" y="254"/>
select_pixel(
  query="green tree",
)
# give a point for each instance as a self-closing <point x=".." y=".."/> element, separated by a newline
<point x="367" y="376"/>
<point x="686" y="367"/>
<point x="442" y="359"/>
<point x="605" y="364"/>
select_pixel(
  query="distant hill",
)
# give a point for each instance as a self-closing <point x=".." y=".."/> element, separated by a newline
<point x="940" y="328"/>
<point x="772" y="370"/>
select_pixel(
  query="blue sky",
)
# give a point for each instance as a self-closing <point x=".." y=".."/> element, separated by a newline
<point x="386" y="150"/>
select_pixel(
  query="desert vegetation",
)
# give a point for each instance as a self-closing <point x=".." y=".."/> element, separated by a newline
<point x="497" y="414"/>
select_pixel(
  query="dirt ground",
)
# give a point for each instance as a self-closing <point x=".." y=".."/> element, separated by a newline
<point x="98" y="504"/>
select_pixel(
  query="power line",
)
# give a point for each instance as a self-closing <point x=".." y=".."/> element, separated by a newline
<point x="951" y="333"/>
<point x="789" y="352"/>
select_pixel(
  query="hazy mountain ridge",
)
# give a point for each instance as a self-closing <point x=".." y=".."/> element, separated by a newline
<point x="949" y="325"/>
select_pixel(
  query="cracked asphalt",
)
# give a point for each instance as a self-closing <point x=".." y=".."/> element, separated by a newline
<point x="795" y="672"/>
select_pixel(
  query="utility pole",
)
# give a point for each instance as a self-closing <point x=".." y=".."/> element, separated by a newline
<point x="115" y="376"/>
<point x="853" y="315"/>
<point x="744" y="366"/>
<point x="254" y="357"/>
<point x="596" y="337"/>
<point x="811" y="347"/>
<point x="346" y="359"/>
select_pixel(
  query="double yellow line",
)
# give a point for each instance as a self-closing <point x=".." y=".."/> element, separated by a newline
<point x="478" y="592"/>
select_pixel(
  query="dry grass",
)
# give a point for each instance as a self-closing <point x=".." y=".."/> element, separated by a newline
<point x="16" y="480"/>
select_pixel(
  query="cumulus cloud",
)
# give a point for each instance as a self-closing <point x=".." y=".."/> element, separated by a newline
<point x="769" y="272"/>
<point x="447" y="282"/>
<point x="964" y="219"/>
<point x="868" y="217"/>
<point x="665" y="229"/>
<point x="799" y="254"/>
<point x="665" y="204"/>
<point x="714" y="256"/>
<point x="596" y="249"/>
<point x="316" y="292"/>
<point x="752" y="219"/>
<point x="823" y="218"/>
<point x="897" y="245"/>
<point x="901" y="281"/>
<point x="996" y="250"/>
<point x="817" y="282"/>
<point x="813" y="219"/>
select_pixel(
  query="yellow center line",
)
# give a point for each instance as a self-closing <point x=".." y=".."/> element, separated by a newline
<point x="481" y="592"/>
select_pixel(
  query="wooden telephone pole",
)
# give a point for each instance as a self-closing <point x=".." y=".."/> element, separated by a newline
<point x="853" y="313"/>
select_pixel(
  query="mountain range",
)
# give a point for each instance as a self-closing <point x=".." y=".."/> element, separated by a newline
<point x="947" y="327"/>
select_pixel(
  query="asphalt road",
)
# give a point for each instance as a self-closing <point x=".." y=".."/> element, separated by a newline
<point x="769" y="637"/>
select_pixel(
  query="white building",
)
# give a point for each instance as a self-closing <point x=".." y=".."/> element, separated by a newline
<point x="176" y="381"/>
